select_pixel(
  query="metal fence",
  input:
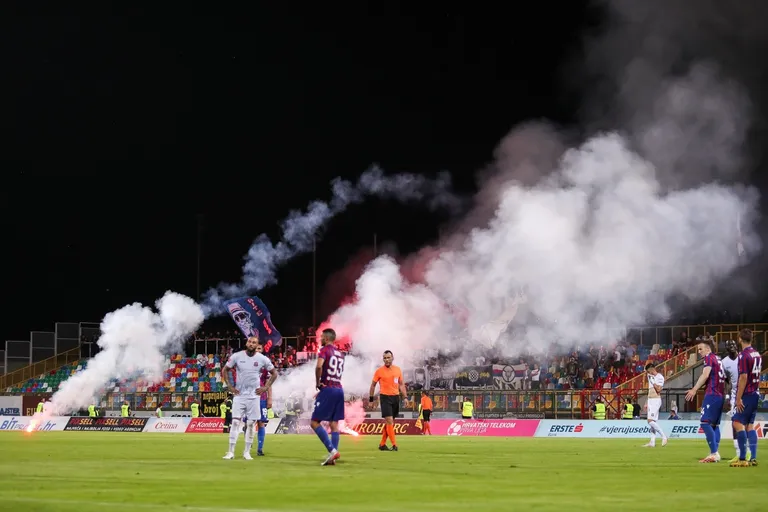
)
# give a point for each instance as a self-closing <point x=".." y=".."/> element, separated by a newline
<point x="37" y="369"/>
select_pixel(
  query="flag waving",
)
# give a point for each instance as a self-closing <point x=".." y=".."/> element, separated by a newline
<point x="252" y="317"/>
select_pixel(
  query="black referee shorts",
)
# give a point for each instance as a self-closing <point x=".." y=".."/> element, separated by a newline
<point x="390" y="405"/>
<point x="426" y="414"/>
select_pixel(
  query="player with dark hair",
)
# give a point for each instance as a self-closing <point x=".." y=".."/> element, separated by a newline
<point x="655" y="385"/>
<point x="731" y="368"/>
<point x="747" y="399"/>
<point x="391" y="388"/>
<point x="329" y="402"/>
<point x="712" y="407"/>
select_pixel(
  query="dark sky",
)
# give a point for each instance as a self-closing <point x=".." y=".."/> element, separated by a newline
<point x="123" y="131"/>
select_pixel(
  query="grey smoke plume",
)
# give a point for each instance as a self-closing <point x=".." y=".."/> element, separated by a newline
<point x="301" y="229"/>
<point x="134" y="340"/>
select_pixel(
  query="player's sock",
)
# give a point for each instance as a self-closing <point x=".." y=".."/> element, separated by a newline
<point x="384" y="436"/>
<point x="736" y="445"/>
<point x="391" y="432"/>
<point x="262" y="435"/>
<point x="323" y="435"/>
<point x="742" y="438"/>
<point x="710" y="435"/>
<point x="427" y="428"/>
<point x="717" y="438"/>
<point x="249" y="436"/>
<point x="335" y="437"/>
<point x="234" y="432"/>
<point x="752" y="438"/>
<point x="655" y="426"/>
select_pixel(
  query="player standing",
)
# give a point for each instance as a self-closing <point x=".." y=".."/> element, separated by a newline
<point x="655" y="385"/>
<point x="391" y="388"/>
<point x="248" y="363"/>
<point x="731" y="368"/>
<point x="712" y="407"/>
<point x="747" y="399"/>
<point x="329" y="402"/>
<point x="266" y="405"/>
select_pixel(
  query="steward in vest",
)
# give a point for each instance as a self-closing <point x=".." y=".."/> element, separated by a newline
<point x="226" y="412"/>
<point x="40" y="406"/>
<point x="125" y="410"/>
<point x="467" y="409"/>
<point x="195" y="408"/>
<point x="598" y="410"/>
<point x="91" y="411"/>
<point x="629" y="410"/>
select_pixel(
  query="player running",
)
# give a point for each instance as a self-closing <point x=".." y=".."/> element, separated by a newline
<point x="655" y="385"/>
<point x="329" y="402"/>
<point x="391" y="388"/>
<point x="747" y="399"/>
<point x="712" y="407"/>
<point x="731" y="368"/>
<point x="266" y="405"/>
<point x="248" y="363"/>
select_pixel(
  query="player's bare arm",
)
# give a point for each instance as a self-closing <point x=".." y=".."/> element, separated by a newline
<point x="319" y="372"/>
<point x="691" y="394"/>
<point x="269" y="398"/>
<point x="270" y="381"/>
<point x="227" y="382"/>
<point x="371" y="391"/>
<point x="740" y="392"/>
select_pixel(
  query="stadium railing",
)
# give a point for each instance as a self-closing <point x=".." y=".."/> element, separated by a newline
<point x="44" y="366"/>
<point x="665" y="334"/>
<point x="673" y="365"/>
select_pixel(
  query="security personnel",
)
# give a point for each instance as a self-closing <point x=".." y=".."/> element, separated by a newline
<point x="270" y="414"/>
<point x="91" y="411"/>
<point x="40" y="406"/>
<point x="292" y="411"/>
<point x="226" y="412"/>
<point x="195" y="408"/>
<point x="467" y="409"/>
<point x="125" y="410"/>
<point x="629" y="410"/>
<point x="598" y="410"/>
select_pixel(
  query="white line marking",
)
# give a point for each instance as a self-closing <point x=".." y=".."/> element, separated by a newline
<point x="136" y="505"/>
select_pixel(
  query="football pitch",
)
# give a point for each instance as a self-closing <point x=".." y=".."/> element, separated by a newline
<point x="85" y="471"/>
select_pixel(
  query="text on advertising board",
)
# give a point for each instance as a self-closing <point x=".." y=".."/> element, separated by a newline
<point x="616" y="428"/>
<point x="106" y="424"/>
<point x="167" y="425"/>
<point x="210" y="402"/>
<point x="8" y="423"/>
<point x="499" y="428"/>
<point x="205" y="426"/>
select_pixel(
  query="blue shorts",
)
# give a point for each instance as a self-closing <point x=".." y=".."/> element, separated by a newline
<point x="712" y="409"/>
<point x="749" y="414"/>
<point x="264" y="412"/>
<point x="329" y="405"/>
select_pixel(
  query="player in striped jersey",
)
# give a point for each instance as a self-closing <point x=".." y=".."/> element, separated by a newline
<point x="747" y="400"/>
<point x="731" y="369"/>
<point x="713" y="377"/>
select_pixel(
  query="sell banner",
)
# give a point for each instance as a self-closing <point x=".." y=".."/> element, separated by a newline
<point x="16" y="423"/>
<point x="205" y="426"/>
<point x="167" y="425"/>
<point x="617" y="429"/>
<point x="10" y="406"/>
<point x="103" y="424"/>
<point x="726" y="430"/>
<point x="498" y="428"/>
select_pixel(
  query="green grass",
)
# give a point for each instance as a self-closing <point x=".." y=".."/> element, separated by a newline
<point x="84" y="471"/>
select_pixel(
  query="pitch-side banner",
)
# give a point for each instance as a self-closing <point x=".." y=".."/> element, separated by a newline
<point x="103" y="424"/>
<point x="167" y="425"/>
<point x="494" y="428"/>
<point x="16" y="423"/>
<point x="10" y="406"/>
<point x="726" y="430"/>
<point x="617" y="429"/>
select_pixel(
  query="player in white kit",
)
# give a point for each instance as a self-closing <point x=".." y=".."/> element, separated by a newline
<point x="731" y="367"/>
<point x="247" y="392"/>
<point x="655" y="385"/>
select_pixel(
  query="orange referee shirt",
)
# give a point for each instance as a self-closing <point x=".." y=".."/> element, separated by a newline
<point x="389" y="380"/>
<point x="426" y="403"/>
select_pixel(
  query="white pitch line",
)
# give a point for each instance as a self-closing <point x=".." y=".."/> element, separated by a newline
<point x="151" y="506"/>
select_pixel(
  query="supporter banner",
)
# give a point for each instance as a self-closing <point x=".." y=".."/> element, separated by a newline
<point x="168" y="425"/>
<point x="16" y="423"/>
<point x="500" y="428"/>
<point x="367" y="427"/>
<point x="617" y="429"/>
<point x="105" y="424"/>
<point x="210" y="402"/>
<point x="205" y="426"/>
<point x="11" y="405"/>
<point x="473" y="377"/>
<point x="726" y="430"/>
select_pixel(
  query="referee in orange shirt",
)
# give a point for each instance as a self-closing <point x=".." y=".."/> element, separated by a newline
<point x="391" y="388"/>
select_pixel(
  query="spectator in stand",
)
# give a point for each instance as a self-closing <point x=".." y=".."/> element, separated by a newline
<point x="535" y="376"/>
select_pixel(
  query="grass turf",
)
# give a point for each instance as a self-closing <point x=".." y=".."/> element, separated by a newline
<point x="84" y="471"/>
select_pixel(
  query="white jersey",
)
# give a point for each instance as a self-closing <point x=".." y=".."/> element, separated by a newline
<point x="657" y="380"/>
<point x="731" y="369"/>
<point x="248" y="368"/>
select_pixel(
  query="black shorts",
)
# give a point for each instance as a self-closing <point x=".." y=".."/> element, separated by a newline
<point x="227" y="420"/>
<point x="426" y="414"/>
<point x="390" y="405"/>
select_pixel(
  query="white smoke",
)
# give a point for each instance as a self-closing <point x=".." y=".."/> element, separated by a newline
<point x="133" y="344"/>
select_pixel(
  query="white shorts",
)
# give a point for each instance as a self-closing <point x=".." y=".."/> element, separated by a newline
<point x="654" y="404"/>
<point x="246" y="407"/>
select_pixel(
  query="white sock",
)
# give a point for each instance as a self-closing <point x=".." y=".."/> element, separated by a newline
<point x="234" y="433"/>
<point x="249" y="436"/>
<point x="655" y="426"/>
<point x="736" y="445"/>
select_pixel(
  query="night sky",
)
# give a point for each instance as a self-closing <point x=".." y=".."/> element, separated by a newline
<point x="127" y="133"/>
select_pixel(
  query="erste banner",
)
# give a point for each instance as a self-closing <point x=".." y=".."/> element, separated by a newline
<point x="726" y="430"/>
<point x="617" y="429"/>
<point x="104" y="424"/>
<point x="497" y="428"/>
<point x="167" y="425"/>
<point x="16" y="423"/>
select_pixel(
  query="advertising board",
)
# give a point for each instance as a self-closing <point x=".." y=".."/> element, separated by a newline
<point x="726" y="430"/>
<point x="167" y="425"/>
<point x="104" y="424"/>
<point x="29" y="402"/>
<point x="11" y="406"/>
<point x="16" y="423"/>
<point x="210" y="402"/>
<point x="205" y="426"/>
<point x="369" y="426"/>
<point x="617" y="429"/>
<point x="498" y="428"/>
